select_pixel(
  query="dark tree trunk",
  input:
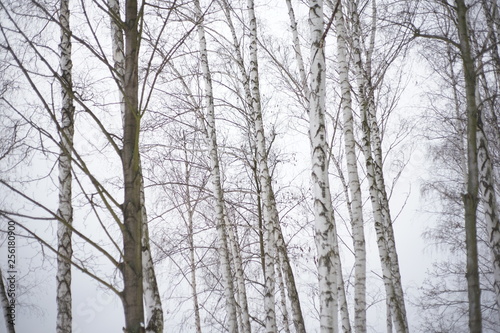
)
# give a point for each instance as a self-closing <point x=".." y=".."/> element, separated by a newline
<point x="132" y="229"/>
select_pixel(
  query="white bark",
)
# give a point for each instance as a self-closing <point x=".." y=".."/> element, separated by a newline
<point x="284" y="310"/>
<point x="278" y="235"/>
<point x="293" y="295"/>
<point x="292" y="291"/>
<point x="227" y="282"/>
<point x="240" y="291"/>
<point x="489" y="201"/>
<point x="379" y="176"/>
<point x="118" y="49"/>
<point x="65" y="209"/>
<point x="486" y="171"/>
<point x="373" y="158"/>
<point x="323" y="212"/>
<point x="244" y="316"/>
<point x="297" y="49"/>
<point x="152" y="300"/>
<point x="270" y="214"/>
<point x="343" y="307"/>
<point x="356" y="204"/>
<point x="386" y="216"/>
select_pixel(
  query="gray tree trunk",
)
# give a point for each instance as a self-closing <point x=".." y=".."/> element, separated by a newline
<point x="132" y="295"/>
<point x="152" y="299"/>
<point x="471" y="197"/>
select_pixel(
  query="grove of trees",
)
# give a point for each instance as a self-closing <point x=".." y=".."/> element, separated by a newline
<point x="234" y="166"/>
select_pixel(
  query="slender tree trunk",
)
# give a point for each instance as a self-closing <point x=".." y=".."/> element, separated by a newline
<point x="152" y="299"/>
<point x="297" y="49"/>
<point x="293" y="294"/>
<point x="192" y="264"/>
<point x="118" y="46"/>
<point x="323" y="212"/>
<point x="356" y="203"/>
<point x="343" y="307"/>
<point x="471" y="197"/>
<point x="240" y="277"/>
<point x="284" y="308"/>
<point x="65" y="209"/>
<point x="270" y="214"/>
<point x="486" y="185"/>
<point x="492" y="17"/>
<point x="459" y="123"/>
<point x="486" y="171"/>
<point x="386" y="215"/>
<point x="261" y="171"/>
<point x="373" y="157"/>
<point x="190" y="230"/>
<point x="4" y="300"/>
<point x="379" y="176"/>
<point x="227" y="281"/>
<point x="132" y="295"/>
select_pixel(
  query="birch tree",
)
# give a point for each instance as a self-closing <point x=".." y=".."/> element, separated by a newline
<point x="323" y="212"/>
<point x="65" y="210"/>
<point x="270" y="213"/>
<point x="227" y="282"/>
<point x="274" y="250"/>
<point x="372" y="150"/>
<point x="486" y="169"/>
<point x="353" y="177"/>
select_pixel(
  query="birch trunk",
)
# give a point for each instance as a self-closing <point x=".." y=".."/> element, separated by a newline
<point x="379" y="177"/>
<point x="386" y="215"/>
<point x="341" y="294"/>
<point x="192" y="264"/>
<point x="486" y="185"/>
<point x="152" y="299"/>
<point x="486" y="171"/>
<point x="293" y="294"/>
<point x="269" y="211"/>
<point x="190" y="226"/>
<point x="297" y="49"/>
<point x="284" y="310"/>
<point x="492" y="17"/>
<point x="223" y="249"/>
<point x="470" y="198"/>
<point x="356" y="203"/>
<point x="240" y="291"/>
<point x="118" y="50"/>
<point x="65" y="209"/>
<point x="262" y="172"/>
<point x="323" y="212"/>
<point x="373" y="158"/>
